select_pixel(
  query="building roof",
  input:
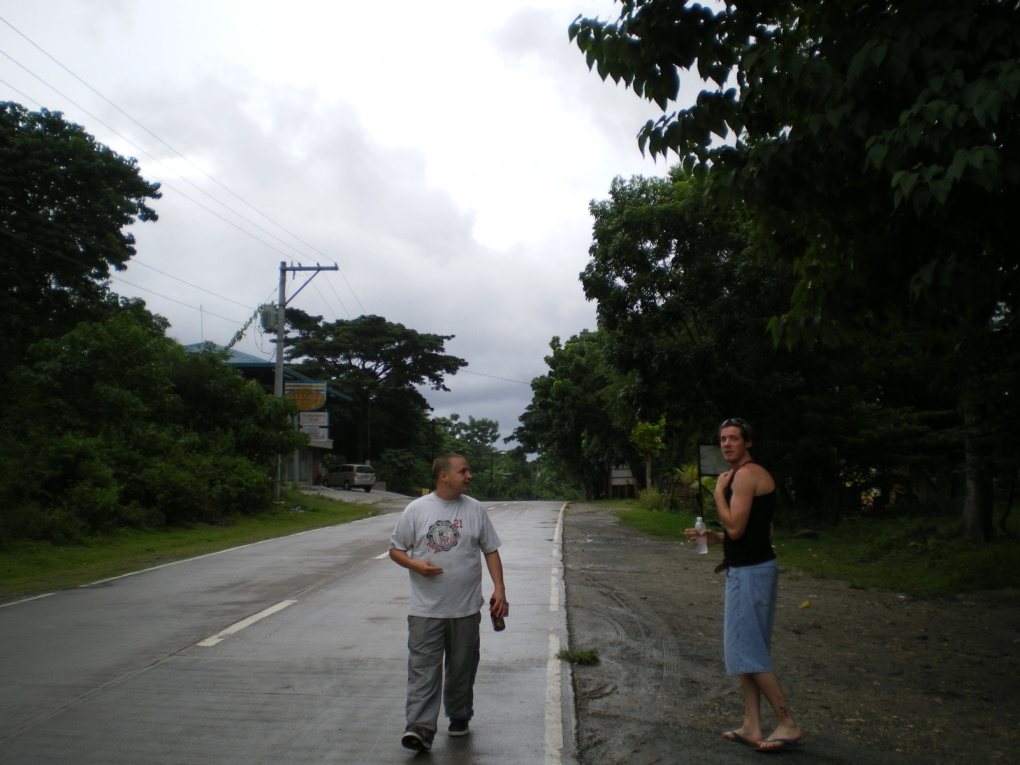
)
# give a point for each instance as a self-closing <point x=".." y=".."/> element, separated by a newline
<point x="247" y="361"/>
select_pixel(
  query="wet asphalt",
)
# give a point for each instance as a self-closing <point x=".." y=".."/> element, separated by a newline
<point x="291" y="650"/>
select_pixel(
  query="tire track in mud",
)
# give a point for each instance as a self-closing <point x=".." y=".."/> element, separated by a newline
<point x="631" y="626"/>
<point x="873" y="676"/>
<point x="613" y="611"/>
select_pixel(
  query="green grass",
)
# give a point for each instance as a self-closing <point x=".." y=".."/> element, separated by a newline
<point x="661" y="525"/>
<point x="589" y="656"/>
<point x="915" y="556"/>
<point x="30" y="568"/>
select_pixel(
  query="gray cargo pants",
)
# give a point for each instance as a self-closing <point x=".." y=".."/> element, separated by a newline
<point x="428" y="642"/>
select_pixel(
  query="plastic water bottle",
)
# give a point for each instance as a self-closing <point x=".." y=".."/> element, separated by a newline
<point x="699" y="529"/>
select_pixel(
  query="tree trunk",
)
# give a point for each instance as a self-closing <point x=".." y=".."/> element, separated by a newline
<point x="977" y="502"/>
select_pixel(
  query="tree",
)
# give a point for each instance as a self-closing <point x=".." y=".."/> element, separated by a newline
<point x="576" y="420"/>
<point x="875" y="146"/>
<point x="380" y="365"/>
<point x="683" y="306"/>
<point x="475" y="440"/>
<point x="114" y="424"/>
<point x="680" y="297"/>
<point x="647" y="439"/>
<point x="104" y="421"/>
<point x="64" y="203"/>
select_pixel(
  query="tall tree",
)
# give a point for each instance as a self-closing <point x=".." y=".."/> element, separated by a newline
<point x="876" y="146"/>
<point x="684" y="304"/>
<point x="114" y="424"/>
<point x="575" y="420"/>
<point x="380" y="365"/>
<point x="65" y="200"/>
<point x="476" y="441"/>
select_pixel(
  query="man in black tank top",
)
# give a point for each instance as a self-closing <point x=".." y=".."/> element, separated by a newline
<point x="745" y="496"/>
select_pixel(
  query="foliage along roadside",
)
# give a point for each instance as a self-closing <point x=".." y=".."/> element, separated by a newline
<point x="114" y="425"/>
<point x="919" y="557"/>
<point x="105" y="422"/>
<point x="875" y="150"/>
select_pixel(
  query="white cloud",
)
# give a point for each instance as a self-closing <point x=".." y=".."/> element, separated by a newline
<point x="443" y="156"/>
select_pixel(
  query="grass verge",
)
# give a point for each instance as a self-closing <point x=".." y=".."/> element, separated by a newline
<point x="915" y="556"/>
<point x="579" y="657"/>
<point x="31" y="568"/>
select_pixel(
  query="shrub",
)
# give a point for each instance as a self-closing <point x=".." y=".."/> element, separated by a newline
<point x="651" y="499"/>
<point x="403" y="471"/>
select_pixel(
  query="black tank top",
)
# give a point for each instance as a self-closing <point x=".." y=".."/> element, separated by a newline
<point x="754" y="546"/>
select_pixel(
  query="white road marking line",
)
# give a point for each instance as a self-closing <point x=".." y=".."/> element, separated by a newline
<point x="384" y="555"/>
<point x="553" y="683"/>
<point x="197" y="557"/>
<point x="553" y="707"/>
<point x="557" y="571"/>
<point x="25" y="600"/>
<point x="219" y="636"/>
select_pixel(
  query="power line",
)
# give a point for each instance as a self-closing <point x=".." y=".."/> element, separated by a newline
<point x="193" y="201"/>
<point x="493" y="377"/>
<point x="324" y="300"/>
<point x="179" y="154"/>
<point x="136" y="261"/>
<point x="101" y="248"/>
<point x="160" y="163"/>
<point x="19" y="92"/>
<point x="41" y="248"/>
<point x="175" y="300"/>
<point x="158" y="138"/>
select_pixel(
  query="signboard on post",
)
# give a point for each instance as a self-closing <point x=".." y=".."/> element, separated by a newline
<point x="309" y="396"/>
<point x="315" y="424"/>
<point x="314" y="419"/>
<point x="710" y="460"/>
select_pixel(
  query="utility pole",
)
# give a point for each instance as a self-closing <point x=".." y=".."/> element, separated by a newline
<point x="281" y="332"/>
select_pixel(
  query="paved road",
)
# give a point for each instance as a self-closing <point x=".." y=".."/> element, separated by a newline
<point x="287" y="651"/>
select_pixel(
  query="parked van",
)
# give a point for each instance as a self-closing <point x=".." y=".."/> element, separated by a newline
<point x="351" y="477"/>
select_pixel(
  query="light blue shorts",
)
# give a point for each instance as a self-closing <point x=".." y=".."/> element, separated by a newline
<point x="747" y="620"/>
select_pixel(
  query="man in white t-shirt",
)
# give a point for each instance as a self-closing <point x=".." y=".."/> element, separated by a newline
<point x="441" y="539"/>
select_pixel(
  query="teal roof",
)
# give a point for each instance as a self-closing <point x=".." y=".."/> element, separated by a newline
<point x="247" y="361"/>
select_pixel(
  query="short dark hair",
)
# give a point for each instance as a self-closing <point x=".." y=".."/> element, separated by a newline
<point x="746" y="431"/>
<point x="442" y="464"/>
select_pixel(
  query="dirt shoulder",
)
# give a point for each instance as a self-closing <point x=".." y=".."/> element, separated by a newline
<point x="873" y="677"/>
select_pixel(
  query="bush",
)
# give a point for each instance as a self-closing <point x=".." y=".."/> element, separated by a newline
<point x="115" y="425"/>
<point x="403" y="471"/>
<point x="651" y="499"/>
<point x="241" y="488"/>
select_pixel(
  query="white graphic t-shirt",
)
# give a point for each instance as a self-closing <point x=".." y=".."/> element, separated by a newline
<point x="452" y="535"/>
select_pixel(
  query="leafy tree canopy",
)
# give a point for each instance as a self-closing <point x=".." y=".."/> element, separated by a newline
<point x="875" y="143"/>
<point x="65" y="200"/>
<point x="114" y="424"/>
<point x="380" y="365"/>
<point x="578" y="419"/>
<point x="683" y="305"/>
<point x="875" y="146"/>
<point x="368" y="353"/>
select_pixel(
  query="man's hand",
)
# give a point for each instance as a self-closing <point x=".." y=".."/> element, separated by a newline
<point x="498" y="607"/>
<point x="422" y="567"/>
<point x="711" y="537"/>
<point x="722" y="483"/>
<point x="497" y="603"/>
<point x="425" y="568"/>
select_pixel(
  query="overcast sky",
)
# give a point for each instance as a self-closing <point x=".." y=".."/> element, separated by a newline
<point x="442" y="155"/>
